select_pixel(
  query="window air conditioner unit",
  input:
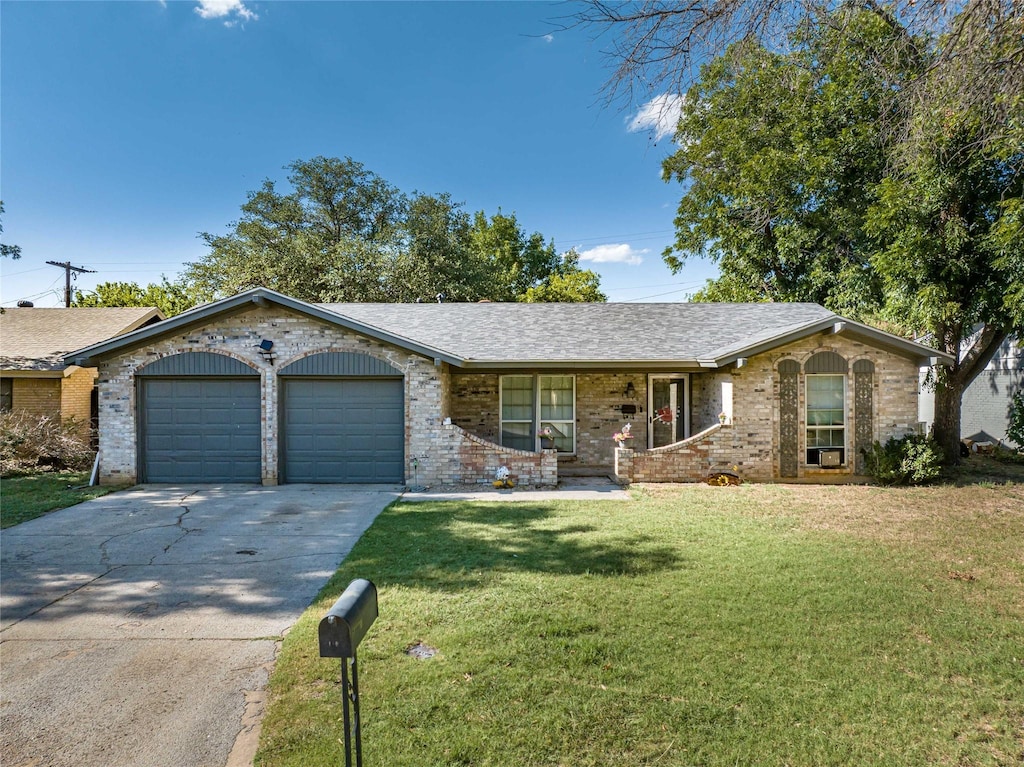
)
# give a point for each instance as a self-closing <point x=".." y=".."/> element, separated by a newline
<point x="829" y="459"/>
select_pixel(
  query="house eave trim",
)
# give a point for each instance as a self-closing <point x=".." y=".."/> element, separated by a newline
<point x="839" y="326"/>
<point x="263" y="297"/>
<point x="631" y="364"/>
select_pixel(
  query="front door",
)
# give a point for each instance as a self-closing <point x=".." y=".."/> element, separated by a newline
<point x="667" y="405"/>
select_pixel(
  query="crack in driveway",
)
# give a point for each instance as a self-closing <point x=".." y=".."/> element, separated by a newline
<point x="183" y="684"/>
<point x="180" y="523"/>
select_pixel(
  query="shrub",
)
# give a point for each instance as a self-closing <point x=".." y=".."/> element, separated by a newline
<point x="29" y="443"/>
<point x="910" y="460"/>
<point x="1015" y="430"/>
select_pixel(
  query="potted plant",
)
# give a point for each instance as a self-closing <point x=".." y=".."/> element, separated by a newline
<point x="722" y="417"/>
<point x="547" y="438"/>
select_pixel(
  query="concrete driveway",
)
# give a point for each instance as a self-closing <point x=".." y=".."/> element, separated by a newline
<point x="139" y="628"/>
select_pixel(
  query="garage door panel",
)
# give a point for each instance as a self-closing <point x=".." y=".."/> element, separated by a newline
<point x="343" y="430"/>
<point x="201" y="430"/>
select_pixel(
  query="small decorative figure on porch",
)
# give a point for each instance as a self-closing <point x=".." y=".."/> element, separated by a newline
<point x="722" y="417"/>
<point x="621" y="437"/>
<point x="503" y="478"/>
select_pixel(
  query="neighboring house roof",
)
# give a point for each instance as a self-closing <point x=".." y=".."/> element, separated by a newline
<point x="489" y="335"/>
<point x="38" y="339"/>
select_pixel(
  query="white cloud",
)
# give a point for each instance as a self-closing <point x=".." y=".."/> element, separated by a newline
<point x="618" y="253"/>
<point x="231" y="10"/>
<point x="660" y="115"/>
<point x="549" y="38"/>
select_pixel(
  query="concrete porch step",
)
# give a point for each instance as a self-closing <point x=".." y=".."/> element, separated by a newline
<point x="584" y="471"/>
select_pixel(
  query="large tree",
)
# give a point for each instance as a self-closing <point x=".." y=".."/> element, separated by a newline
<point x="656" y="47"/>
<point x="325" y="240"/>
<point x="816" y="169"/>
<point x="344" y="234"/>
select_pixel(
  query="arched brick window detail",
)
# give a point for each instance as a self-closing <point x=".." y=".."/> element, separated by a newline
<point x="863" y="409"/>
<point x="789" y="417"/>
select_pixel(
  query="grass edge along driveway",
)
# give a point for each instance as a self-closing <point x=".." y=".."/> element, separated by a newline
<point x="699" y="626"/>
<point x="28" y="496"/>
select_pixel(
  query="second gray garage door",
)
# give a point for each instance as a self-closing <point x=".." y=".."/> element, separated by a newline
<point x="343" y="430"/>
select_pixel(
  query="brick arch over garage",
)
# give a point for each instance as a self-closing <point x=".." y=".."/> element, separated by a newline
<point x="340" y="364"/>
<point x="199" y="419"/>
<point x="197" y="363"/>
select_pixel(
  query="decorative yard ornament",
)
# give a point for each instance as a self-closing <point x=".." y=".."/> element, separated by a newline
<point x="621" y="437"/>
<point x="503" y="478"/>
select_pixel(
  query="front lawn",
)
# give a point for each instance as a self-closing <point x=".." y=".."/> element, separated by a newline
<point x="694" y="626"/>
<point x="30" y="496"/>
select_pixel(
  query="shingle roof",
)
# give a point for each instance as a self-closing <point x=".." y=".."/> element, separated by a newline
<point x="546" y="333"/>
<point x="658" y="336"/>
<point x="37" y="339"/>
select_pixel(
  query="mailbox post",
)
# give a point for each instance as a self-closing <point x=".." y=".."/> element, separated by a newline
<point x="341" y="631"/>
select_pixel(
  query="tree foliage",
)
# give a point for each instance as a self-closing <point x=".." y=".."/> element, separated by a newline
<point x="169" y="297"/>
<point x="975" y="49"/>
<point x="815" y="170"/>
<point x="567" y="283"/>
<point x="342" y="233"/>
<point x="775" y="151"/>
<point x="7" y="251"/>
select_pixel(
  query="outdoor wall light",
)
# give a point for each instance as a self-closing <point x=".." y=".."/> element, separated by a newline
<point x="266" y="350"/>
<point x="630" y="392"/>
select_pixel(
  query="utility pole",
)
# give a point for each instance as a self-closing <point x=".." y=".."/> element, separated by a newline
<point x="68" y="269"/>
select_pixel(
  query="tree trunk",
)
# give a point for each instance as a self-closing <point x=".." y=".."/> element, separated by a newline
<point x="951" y="383"/>
<point x="946" y="427"/>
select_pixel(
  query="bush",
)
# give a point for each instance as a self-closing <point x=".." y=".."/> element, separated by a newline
<point x="1015" y="430"/>
<point x="29" y="443"/>
<point x="910" y="460"/>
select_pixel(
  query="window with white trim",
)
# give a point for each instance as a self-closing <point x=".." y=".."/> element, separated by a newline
<point x="534" y="403"/>
<point x="825" y="416"/>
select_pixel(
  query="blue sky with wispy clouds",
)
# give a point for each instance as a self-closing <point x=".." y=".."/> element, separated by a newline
<point x="129" y="127"/>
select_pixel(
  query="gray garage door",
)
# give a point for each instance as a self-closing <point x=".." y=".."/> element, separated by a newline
<point x="343" y="430"/>
<point x="200" y="429"/>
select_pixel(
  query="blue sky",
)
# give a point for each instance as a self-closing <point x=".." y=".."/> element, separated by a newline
<point x="127" y="128"/>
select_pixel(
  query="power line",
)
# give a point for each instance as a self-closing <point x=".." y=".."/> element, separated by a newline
<point x="657" y="295"/>
<point x="27" y="271"/>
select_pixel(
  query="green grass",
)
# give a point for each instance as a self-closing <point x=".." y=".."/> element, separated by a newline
<point x="31" y="496"/>
<point x="695" y="626"/>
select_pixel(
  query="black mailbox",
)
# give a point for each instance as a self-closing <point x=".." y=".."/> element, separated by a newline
<point x="347" y="622"/>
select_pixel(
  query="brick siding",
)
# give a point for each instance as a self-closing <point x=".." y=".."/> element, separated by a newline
<point x="36" y="396"/>
<point x="751" y="440"/>
<point x="76" y="396"/>
<point x="599" y="399"/>
<point x="466" y="451"/>
<point x="473" y="460"/>
<point x="435" y="453"/>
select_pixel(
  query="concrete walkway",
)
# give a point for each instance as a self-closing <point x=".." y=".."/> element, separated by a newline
<point x="569" y="489"/>
<point x="138" y="629"/>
